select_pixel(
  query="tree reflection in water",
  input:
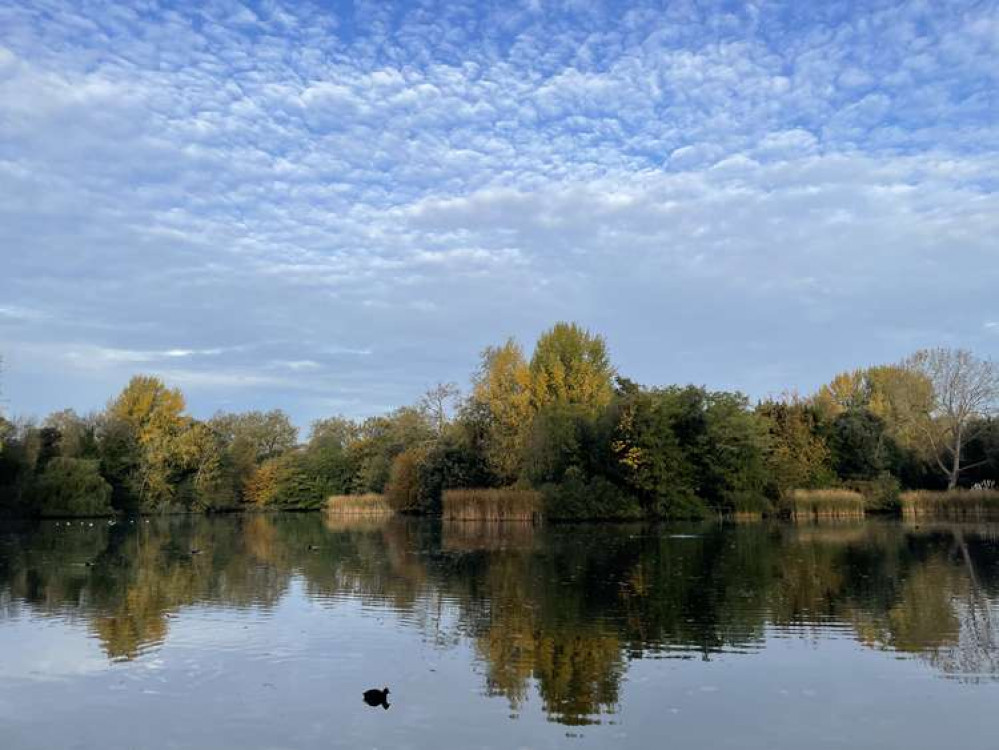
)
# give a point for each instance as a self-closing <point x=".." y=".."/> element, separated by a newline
<point x="558" y="609"/>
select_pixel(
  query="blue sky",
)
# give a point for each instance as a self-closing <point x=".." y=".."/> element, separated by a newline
<point x="328" y="207"/>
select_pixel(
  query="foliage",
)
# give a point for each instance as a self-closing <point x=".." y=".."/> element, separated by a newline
<point x="966" y="394"/>
<point x="72" y="487"/>
<point x="798" y="457"/>
<point x="403" y="489"/>
<point x="578" y="497"/>
<point x="571" y="366"/>
<point x="501" y="403"/>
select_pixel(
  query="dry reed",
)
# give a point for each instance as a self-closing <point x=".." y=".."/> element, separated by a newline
<point x="829" y="504"/>
<point x="491" y="505"/>
<point x="370" y="504"/>
<point x="957" y="505"/>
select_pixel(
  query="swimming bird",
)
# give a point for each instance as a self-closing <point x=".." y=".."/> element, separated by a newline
<point x="313" y="547"/>
<point x="195" y="551"/>
<point x="376" y="697"/>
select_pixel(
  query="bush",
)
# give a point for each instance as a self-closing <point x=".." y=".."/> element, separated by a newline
<point x="73" y="487"/>
<point x="881" y="495"/>
<point x="579" y="498"/>
<point x="403" y="489"/>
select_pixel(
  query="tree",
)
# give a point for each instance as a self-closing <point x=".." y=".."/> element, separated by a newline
<point x="73" y="487"/>
<point x="966" y="393"/>
<point x="438" y="403"/>
<point x="798" y="457"/>
<point x="252" y="438"/>
<point x="153" y="414"/>
<point x="501" y="396"/>
<point x="571" y="366"/>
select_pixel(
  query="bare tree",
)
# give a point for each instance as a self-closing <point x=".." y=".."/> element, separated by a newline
<point x="437" y="403"/>
<point x="966" y="392"/>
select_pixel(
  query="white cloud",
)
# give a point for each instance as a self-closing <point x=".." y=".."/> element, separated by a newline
<point x="283" y="174"/>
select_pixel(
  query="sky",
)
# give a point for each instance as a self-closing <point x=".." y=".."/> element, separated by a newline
<point x="329" y="207"/>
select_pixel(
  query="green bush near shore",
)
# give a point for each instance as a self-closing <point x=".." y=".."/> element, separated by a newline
<point x="579" y="498"/>
<point x="956" y="504"/>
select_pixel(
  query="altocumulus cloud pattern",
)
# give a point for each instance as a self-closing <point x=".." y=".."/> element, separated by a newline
<point x="328" y="206"/>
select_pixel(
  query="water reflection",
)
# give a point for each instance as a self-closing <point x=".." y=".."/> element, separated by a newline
<point x="563" y="611"/>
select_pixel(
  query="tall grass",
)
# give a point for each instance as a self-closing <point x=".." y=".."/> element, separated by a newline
<point x="370" y="504"/>
<point x="491" y="505"/>
<point x="831" y="504"/>
<point x="957" y="505"/>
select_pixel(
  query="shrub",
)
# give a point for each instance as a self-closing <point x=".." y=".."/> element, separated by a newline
<point x="579" y="498"/>
<point x="73" y="487"/>
<point x="881" y="495"/>
<point x="403" y="489"/>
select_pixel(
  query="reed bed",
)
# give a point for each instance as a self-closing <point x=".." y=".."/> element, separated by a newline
<point x="357" y="505"/>
<point x="954" y="505"/>
<point x="826" y="505"/>
<point x="491" y="505"/>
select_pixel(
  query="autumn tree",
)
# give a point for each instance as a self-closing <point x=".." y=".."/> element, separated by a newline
<point x="501" y="394"/>
<point x="966" y="393"/>
<point x="798" y="457"/>
<point x="571" y="366"/>
<point x="153" y="416"/>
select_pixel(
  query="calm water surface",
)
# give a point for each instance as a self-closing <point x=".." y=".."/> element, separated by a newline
<point x="877" y="635"/>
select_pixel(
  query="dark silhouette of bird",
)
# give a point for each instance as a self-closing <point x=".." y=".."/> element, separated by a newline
<point x="195" y="551"/>
<point x="375" y="698"/>
<point x="89" y="563"/>
<point x="313" y="547"/>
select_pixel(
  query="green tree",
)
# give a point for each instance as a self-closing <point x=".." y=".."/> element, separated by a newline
<point x="72" y="487"/>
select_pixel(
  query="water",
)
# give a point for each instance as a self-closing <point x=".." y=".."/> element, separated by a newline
<point x="875" y="635"/>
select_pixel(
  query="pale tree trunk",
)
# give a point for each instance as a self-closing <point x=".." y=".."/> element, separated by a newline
<point x="955" y="470"/>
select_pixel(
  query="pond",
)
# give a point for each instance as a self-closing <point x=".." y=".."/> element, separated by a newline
<point x="874" y="635"/>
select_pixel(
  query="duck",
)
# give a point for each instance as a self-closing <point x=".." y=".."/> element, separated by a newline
<point x="376" y="697"/>
<point x="195" y="551"/>
<point x="313" y="547"/>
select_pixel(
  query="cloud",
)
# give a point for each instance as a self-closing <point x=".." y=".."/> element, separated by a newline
<point x="708" y="188"/>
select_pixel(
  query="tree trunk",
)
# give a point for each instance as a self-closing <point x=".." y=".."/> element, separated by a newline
<point x="955" y="470"/>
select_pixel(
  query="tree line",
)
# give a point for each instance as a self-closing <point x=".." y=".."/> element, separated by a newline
<point x="563" y="421"/>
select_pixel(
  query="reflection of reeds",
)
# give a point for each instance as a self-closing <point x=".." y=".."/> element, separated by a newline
<point x="358" y="505"/>
<point x="832" y="504"/>
<point x="470" y="536"/>
<point x="491" y="505"/>
<point x="951" y="504"/>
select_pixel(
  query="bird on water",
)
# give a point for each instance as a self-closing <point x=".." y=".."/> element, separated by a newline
<point x="376" y="697"/>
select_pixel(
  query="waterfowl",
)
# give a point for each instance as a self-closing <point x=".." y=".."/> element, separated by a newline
<point x="376" y="697"/>
<point x="313" y="547"/>
<point x="195" y="551"/>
